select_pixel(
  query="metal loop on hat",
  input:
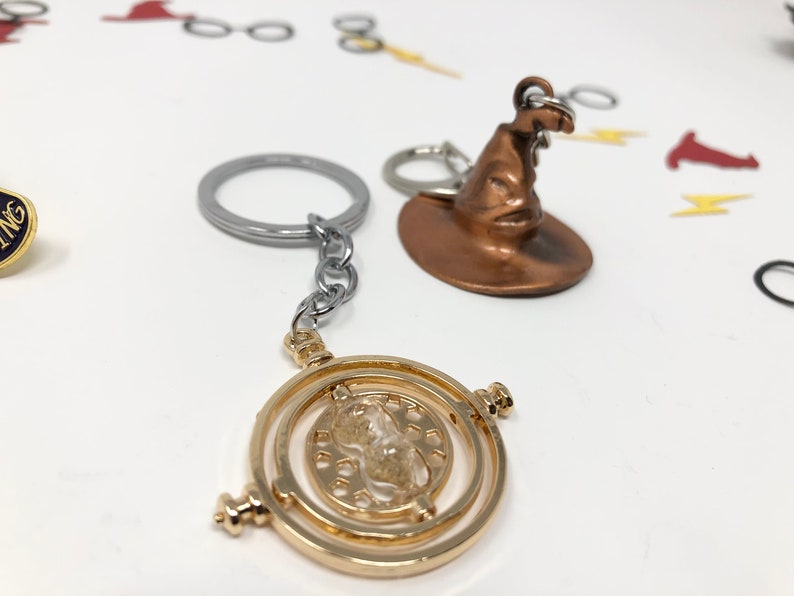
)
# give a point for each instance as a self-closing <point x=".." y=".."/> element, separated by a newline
<point x="279" y="234"/>
<point x="542" y="141"/>
<point x="536" y="101"/>
<point x="444" y="189"/>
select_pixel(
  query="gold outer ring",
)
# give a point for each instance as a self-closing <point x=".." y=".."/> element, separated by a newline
<point x="30" y="233"/>
<point x="360" y="548"/>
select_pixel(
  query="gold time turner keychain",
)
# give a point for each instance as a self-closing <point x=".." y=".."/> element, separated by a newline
<point x="372" y="465"/>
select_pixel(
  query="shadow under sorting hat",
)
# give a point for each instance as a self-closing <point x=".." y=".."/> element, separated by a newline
<point x="150" y="10"/>
<point x="492" y="237"/>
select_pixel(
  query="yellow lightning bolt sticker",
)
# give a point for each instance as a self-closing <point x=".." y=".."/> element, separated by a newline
<point x="610" y="136"/>
<point x="707" y="204"/>
<point x="418" y="60"/>
<point x="369" y="45"/>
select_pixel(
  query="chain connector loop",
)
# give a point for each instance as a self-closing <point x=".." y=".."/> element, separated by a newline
<point x="329" y="295"/>
<point x="333" y="266"/>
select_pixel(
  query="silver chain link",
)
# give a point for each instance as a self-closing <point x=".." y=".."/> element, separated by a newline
<point x="336" y="253"/>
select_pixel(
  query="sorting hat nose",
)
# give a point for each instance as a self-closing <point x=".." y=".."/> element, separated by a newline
<point x="498" y="203"/>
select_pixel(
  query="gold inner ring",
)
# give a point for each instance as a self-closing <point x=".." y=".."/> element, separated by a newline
<point x="341" y="476"/>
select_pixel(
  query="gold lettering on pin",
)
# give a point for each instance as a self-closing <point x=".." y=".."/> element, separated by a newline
<point x="10" y="223"/>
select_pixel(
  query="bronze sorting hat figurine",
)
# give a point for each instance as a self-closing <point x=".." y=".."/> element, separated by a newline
<point x="492" y="237"/>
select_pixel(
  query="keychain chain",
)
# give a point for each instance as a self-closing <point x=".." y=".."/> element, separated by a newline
<point x="335" y="255"/>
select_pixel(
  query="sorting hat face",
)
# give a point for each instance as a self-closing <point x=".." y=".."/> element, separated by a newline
<point x="498" y="198"/>
<point x="501" y="205"/>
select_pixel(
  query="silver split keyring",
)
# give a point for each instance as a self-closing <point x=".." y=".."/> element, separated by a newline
<point x="279" y="234"/>
<point x="534" y="101"/>
<point x="443" y="189"/>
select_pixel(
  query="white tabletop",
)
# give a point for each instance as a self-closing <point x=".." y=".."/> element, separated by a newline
<point x="651" y="447"/>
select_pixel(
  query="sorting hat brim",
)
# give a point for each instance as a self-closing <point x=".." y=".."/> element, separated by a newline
<point x="553" y="259"/>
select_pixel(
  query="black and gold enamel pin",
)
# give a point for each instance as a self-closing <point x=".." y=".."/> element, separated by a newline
<point x="17" y="226"/>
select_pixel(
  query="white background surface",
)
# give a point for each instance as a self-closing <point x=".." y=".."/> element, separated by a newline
<point x="651" y="449"/>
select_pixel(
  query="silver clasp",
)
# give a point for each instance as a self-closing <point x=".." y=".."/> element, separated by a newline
<point x="454" y="159"/>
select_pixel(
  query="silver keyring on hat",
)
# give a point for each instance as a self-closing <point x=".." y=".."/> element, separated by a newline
<point x="261" y="232"/>
<point x="454" y="159"/>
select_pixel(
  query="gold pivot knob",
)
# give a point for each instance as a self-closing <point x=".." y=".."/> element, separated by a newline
<point x="497" y="399"/>
<point x="233" y="513"/>
<point x="307" y="348"/>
